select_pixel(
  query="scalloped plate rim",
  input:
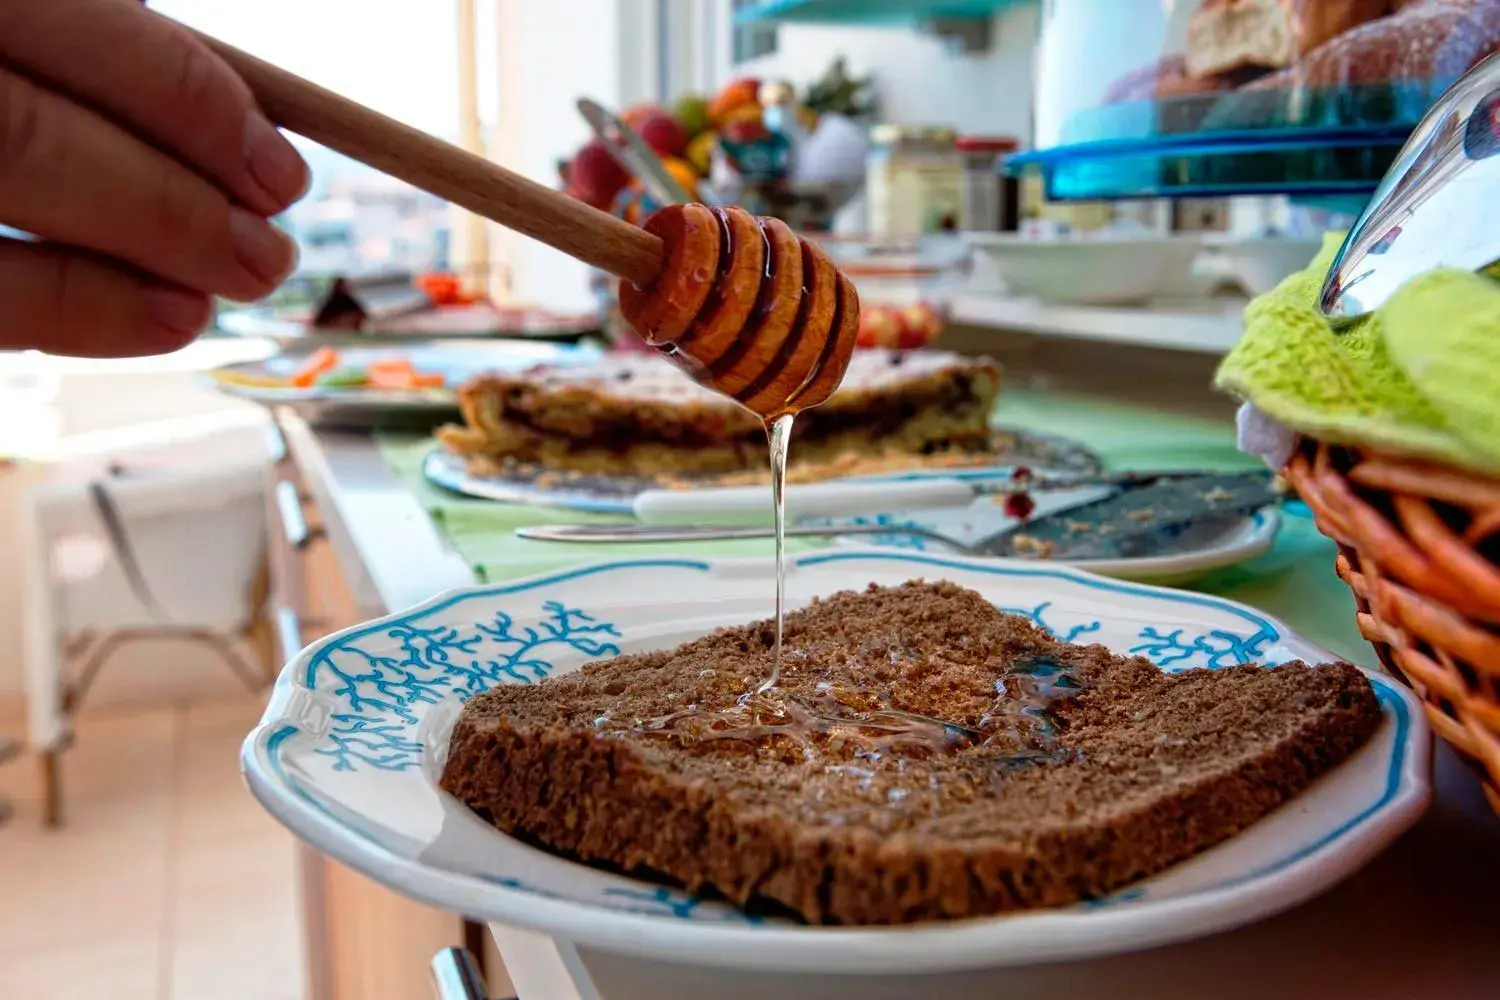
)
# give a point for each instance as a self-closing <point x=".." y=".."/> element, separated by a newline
<point x="1250" y="537"/>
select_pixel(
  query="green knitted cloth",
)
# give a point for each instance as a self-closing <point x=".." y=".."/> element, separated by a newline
<point x="1421" y="376"/>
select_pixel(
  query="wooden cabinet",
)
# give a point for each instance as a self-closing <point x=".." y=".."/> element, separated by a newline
<point x="365" y="942"/>
<point x="361" y="940"/>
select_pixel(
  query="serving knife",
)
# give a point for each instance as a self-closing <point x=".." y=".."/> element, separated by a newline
<point x="1130" y="522"/>
<point x="849" y="498"/>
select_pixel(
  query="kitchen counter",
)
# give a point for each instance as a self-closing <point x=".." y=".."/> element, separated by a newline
<point x="1205" y="326"/>
<point x="1416" y="922"/>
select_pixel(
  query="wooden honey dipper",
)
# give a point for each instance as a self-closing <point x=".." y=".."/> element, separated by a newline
<point x="742" y="304"/>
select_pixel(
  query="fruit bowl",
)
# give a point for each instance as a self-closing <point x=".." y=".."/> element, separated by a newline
<point x="906" y="288"/>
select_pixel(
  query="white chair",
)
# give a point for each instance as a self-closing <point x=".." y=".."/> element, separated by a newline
<point x="158" y="548"/>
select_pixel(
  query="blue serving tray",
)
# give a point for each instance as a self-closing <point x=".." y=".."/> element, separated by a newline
<point x="869" y="11"/>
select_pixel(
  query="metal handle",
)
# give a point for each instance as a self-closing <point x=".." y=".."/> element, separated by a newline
<point x="456" y="976"/>
<point x="695" y="532"/>
<point x="289" y="504"/>
<point x="288" y="633"/>
<point x="276" y="449"/>
<point x="124" y="551"/>
<point x="635" y="156"/>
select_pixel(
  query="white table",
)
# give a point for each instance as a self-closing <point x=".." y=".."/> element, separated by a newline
<point x="1420" y="921"/>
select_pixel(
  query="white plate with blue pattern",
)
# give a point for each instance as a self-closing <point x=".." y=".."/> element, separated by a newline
<point x="1189" y="554"/>
<point x="351" y="746"/>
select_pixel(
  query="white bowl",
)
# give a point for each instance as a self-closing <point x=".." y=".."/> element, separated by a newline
<point x="1089" y="270"/>
<point x="1261" y="264"/>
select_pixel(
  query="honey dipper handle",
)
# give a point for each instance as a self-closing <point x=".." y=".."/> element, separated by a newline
<point x="440" y="168"/>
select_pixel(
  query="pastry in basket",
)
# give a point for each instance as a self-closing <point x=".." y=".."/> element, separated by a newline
<point x="925" y="757"/>
<point x="639" y="415"/>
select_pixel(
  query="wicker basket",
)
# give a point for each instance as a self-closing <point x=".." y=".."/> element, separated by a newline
<point x="1419" y="544"/>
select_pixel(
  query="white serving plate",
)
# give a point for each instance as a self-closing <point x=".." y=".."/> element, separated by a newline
<point x="650" y="500"/>
<point x="292" y="327"/>
<point x="355" y="406"/>
<point x="1089" y="269"/>
<point x="350" y="747"/>
<point x="1193" y="554"/>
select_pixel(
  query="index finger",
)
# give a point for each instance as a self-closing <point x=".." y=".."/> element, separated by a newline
<point x="154" y="78"/>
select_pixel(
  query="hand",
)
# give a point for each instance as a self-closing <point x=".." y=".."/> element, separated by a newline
<point x="142" y="165"/>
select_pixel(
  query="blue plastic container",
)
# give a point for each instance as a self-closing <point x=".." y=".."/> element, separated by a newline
<point x="1135" y="100"/>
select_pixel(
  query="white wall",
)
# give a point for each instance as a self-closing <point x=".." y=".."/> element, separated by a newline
<point x="921" y="81"/>
<point x="548" y="54"/>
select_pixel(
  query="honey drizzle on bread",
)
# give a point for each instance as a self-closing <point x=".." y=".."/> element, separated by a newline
<point x="1147" y="768"/>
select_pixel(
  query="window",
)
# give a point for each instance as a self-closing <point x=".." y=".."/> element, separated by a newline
<point x="354" y="218"/>
<point x="753" y="40"/>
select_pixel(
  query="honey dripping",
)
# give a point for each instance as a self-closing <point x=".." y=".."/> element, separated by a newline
<point x="779" y="434"/>
<point x="755" y="312"/>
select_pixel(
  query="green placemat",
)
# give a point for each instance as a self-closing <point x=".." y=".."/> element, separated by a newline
<point x="1295" y="581"/>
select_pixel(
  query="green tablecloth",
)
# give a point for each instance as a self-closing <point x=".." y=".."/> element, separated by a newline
<point x="1295" y="581"/>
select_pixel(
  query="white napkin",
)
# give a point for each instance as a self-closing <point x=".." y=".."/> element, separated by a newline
<point x="1264" y="438"/>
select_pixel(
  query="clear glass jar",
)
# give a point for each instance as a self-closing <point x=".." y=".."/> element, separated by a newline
<point x="913" y="180"/>
<point x="989" y="199"/>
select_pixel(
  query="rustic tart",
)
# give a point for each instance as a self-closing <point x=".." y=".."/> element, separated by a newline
<point x="639" y="415"/>
<point x="926" y="757"/>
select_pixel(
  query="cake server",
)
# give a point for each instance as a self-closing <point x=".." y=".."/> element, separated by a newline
<point x="846" y="498"/>
<point x="1436" y="206"/>
<point x="1126" y="523"/>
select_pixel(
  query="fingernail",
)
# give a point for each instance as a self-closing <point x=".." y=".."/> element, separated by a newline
<point x="261" y="248"/>
<point x="177" y="310"/>
<point x="274" y="163"/>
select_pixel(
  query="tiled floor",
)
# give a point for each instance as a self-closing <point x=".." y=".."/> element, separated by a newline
<point x="167" y="881"/>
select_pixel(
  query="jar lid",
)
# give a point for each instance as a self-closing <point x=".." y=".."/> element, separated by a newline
<point x="934" y="134"/>
<point x="987" y="144"/>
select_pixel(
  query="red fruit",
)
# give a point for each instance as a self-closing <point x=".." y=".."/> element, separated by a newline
<point x="911" y="339"/>
<point x="878" y="327"/>
<point x="632" y="115"/>
<point x="661" y="132"/>
<point x="752" y="130"/>
<point x="595" y="176"/>
<point x="1019" y="505"/>
<point x="735" y="94"/>
<point x="587" y="197"/>
<point x="924" y="322"/>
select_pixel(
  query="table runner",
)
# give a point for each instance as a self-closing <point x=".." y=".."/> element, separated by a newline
<point x="1295" y="581"/>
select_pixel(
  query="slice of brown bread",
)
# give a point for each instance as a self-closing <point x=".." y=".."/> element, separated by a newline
<point x="1058" y="772"/>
